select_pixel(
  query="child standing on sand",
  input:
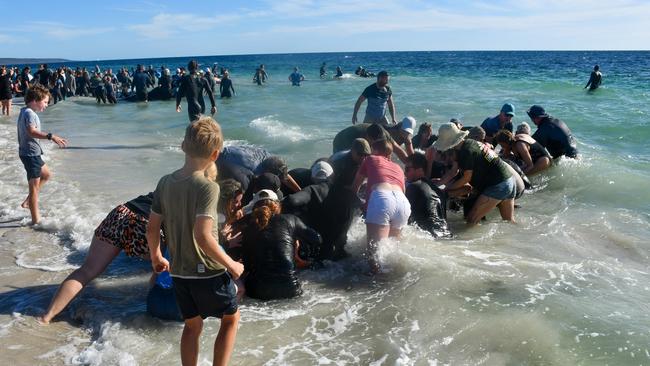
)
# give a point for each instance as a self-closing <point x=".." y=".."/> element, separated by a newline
<point x="185" y="201"/>
<point x="29" y="150"/>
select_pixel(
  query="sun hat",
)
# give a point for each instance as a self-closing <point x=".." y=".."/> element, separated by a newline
<point x="536" y="111"/>
<point x="449" y="135"/>
<point x="321" y="171"/>
<point x="408" y="124"/>
<point x="361" y="146"/>
<point x="508" y="109"/>
<point x="523" y="128"/>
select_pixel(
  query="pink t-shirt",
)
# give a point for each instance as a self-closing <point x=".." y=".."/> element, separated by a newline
<point x="379" y="169"/>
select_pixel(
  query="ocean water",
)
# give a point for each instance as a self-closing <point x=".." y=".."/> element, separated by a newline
<point x="569" y="284"/>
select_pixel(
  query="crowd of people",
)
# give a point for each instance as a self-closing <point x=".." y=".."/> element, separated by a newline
<point x="236" y="221"/>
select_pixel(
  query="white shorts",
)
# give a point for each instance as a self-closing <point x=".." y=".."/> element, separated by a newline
<point x="390" y="208"/>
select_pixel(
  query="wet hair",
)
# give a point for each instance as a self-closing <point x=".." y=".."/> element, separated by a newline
<point x="263" y="212"/>
<point x="596" y="68"/>
<point x="202" y="138"/>
<point x="229" y="189"/>
<point x="504" y="136"/>
<point x="275" y="165"/>
<point x="192" y="66"/>
<point x="382" y="73"/>
<point x="37" y="93"/>
<point x="425" y="126"/>
<point x="375" y="132"/>
<point x="383" y="147"/>
<point x="418" y="161"/>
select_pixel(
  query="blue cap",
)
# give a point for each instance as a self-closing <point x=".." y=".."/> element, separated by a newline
<point x="508" y="109"/>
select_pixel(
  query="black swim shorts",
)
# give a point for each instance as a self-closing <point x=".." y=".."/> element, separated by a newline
<point x="33" y="165"/>
<point x="214" y="296"/>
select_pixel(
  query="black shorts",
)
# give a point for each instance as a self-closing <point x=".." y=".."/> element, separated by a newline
<point x="33" y="165"/>
<point x="214" y="296"/>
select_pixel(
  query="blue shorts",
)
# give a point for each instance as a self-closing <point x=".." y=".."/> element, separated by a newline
<point x="33" y="165"/>
<point x="502" y="191"/>
<point x="213" y="296"/>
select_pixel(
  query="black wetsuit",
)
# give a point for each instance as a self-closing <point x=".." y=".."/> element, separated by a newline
<point x="268" y="256"/>
<point x="594" y="80"/>
<point x="536" y="149"/>
<point x="110" y="92"/>
<point x="5" y="87"/>
<point x="308" y="204"/>
<point x="428" y="207"/>
<point x="302" y="176"/>
<point x="341" y="205"/>
<point x="226" y="88"/>
<point x="140" y="81"/>
<point x="100" y="93"/>
<point x="165" y="85"/>
<point x="556" y="137"/>
<point x="417" y="143"/>
<point x="192" y="88"/>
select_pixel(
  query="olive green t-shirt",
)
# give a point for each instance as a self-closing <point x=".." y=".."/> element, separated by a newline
<point x="180" y="201"/>
<point x="487" y="167"/>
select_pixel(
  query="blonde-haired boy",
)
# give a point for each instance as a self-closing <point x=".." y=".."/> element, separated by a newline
<point x="29" y="149"/>
<point x="185" y="201"/>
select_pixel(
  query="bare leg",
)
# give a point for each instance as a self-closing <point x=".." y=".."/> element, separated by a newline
<point x="507" y="210"/>
<point x="375" y="234"/>
<point x="32" y="199"/>
<point x="99" y="256"/>
<point x="483" y="205"/>
<point x="45" y="176"/>
<point x="190" y="341"/>
<point x="225" y="341"/>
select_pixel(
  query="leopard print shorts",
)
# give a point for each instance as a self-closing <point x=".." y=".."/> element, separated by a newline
<point x="126" y="230"/>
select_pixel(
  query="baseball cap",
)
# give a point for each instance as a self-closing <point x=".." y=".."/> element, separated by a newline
<point x="536" y="111"/>
<point x="508" y="109"/>
<point x="321" y="171"/>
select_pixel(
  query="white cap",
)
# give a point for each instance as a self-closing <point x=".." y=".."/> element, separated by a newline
<point x="408" y="124"/>
<point x="321" y="171"/>
<point x="264" y="194"/>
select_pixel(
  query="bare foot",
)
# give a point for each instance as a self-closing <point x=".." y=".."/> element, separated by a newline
<point x="25" y="203"/>
<point x="41" y="320"/>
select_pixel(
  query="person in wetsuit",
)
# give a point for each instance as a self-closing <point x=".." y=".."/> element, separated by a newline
<point x="141" y="81"/>
<point x="109" y="87"/>
<point x="192" y="86"/>
<point x="339" y="72"/>
<point x="552" y="133"/>
<point x="323" y="70"/>
<point x="270" y="243"/>
<point x="226" y="85"/>
<point x="595" y="79"/>
<point x="428" y="202"/>
<point x="342" y="204"/>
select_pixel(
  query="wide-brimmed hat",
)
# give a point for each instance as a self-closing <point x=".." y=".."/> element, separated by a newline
<point x="536" y="111"/>
<point x="408" y="124"/>
<point x="449" y="135"/>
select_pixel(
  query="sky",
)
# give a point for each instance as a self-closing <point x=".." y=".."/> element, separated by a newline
<point x="120" y="29"/>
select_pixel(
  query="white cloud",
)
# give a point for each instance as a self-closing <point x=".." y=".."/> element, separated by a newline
<point x="62" y="31"/>
<point x="165" y="25"/>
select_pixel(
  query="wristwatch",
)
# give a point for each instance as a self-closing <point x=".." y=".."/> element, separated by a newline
<point x="49" y="136"/>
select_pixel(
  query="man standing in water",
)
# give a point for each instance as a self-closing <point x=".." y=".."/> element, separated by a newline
<point x="379" y="96"/>
<point x="192" y="86"/>
<point x="502" y="121"/>
<point x="552" y="133"/>
<point x="595" y="79"/>
<point x="296" y="77"/>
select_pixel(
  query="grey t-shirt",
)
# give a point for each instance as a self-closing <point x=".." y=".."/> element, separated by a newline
<point x="27" y="145"/>
<point x="377" y="100"/>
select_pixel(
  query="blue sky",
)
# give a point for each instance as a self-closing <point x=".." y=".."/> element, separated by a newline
<point x="91" y="30"/>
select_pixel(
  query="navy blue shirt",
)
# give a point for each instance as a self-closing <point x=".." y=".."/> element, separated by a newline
<point x="493" y="125"/>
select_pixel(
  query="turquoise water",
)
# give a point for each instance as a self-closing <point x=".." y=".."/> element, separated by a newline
<point x="568" y="284"/>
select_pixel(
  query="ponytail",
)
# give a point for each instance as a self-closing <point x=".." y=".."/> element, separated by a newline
<point x="263" y="213"/>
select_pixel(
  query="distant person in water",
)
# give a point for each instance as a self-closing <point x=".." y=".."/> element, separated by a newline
<point x="141" y="81"/>
<point x="6" y="93"/>
<point x="260" y="76"/>
<point x="192" y="86"/>
<point x="552" y="133"/>
<point x="323" y="70"/>
<point x="339" y="72"/>
<point x="29" y="149"/>
<point x="380" y="97"/>
<point x="595" y="79"/>
<point x="225" y="86"/>
<point x="296" y="77"/>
